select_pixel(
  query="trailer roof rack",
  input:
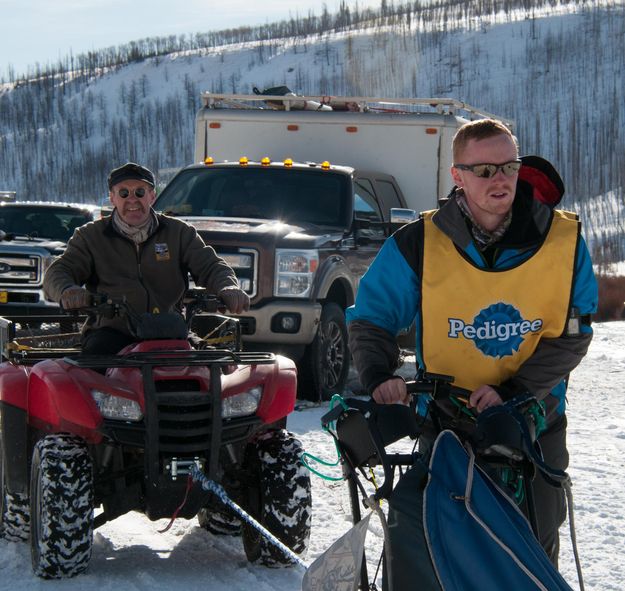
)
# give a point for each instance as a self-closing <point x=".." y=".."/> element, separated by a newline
<point x="443" y="106"/>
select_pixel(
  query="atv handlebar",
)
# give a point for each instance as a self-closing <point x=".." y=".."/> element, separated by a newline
<point x="195" y="300"/>
<point x="200" y="300"/>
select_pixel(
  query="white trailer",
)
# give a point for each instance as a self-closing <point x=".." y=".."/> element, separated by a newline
<point x="409" y="139"/>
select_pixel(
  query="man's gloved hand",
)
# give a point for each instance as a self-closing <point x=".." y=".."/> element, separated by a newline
<point x="391" y="391"/>
<point x="75" y="297"/>
<point x="484" y="397"/>
<point x="236" y="299"/>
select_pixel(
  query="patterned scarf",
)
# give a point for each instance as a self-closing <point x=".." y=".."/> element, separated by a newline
<point x="138" y="234"/>
<point x="483" y="238"/>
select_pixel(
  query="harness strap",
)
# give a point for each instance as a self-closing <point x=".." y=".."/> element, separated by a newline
<point x="569" y="504"/>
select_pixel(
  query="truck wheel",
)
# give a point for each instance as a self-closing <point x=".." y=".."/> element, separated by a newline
<point x="14" y="510"/>
<point x="61" y="506"/>
<point x="324" y="369"/>
<point x="280" y="499"/>
<point x="221" y="521"/>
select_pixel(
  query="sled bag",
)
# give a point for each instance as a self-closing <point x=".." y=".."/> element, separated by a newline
<point x="477" y="537"/>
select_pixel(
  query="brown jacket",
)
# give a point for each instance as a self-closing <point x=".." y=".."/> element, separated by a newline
<point x="153" y="276"/>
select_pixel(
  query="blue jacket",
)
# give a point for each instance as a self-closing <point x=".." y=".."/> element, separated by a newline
<point x="388" y="299"/>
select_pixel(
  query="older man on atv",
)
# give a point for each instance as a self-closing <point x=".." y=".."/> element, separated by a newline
<point x="137" y="254"/>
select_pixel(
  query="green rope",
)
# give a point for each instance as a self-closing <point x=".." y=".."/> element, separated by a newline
<point x="538" y="414"/>
<point x="514" y="481"/>
<point x="336" y="398"/>
<point x="304" y="459"/>
<point x="463" y="407"/>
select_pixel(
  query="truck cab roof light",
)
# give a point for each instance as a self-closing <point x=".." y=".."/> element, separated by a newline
<point x="266" y="161"/>
<point x="208" y="160"/>
<point x="288" y="162"/>
<point x="243" y="161"/>
<point x="325" y="165"/>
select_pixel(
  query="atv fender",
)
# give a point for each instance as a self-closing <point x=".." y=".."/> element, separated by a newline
<point x="14" y="447"/>
<point x="58" y="402"/>
<point x="280" y="390"/>
<point x="13" y="385"/>
<point x="13" y="429"/>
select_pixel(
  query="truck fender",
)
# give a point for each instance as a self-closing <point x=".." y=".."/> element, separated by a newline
<point x="334" y="270"/>
<point x="57" y="401"/>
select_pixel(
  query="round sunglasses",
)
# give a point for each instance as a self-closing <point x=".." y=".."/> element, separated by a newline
<point x="139" y="192"/>
<point x="487" y="171"/>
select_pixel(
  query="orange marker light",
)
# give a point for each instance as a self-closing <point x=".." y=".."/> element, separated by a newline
<point x="208" y="160"/>
<point x="325" y="165"/>
<point x="214" y="125"/>
<point x="265" y="161"/>
<point x="288" y="162"/>
<point x="243" y="161"/>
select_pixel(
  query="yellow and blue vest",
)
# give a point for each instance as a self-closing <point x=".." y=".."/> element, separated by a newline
<point x="479" y="325"/>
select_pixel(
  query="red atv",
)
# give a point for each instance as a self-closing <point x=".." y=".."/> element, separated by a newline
<point x="121" y="432"/>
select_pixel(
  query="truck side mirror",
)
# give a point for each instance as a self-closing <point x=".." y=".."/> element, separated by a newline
<point x="401" y="216"/>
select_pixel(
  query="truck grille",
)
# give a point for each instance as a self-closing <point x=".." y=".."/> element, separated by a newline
<point x="20" y="269"/>
<point x="244" y="261"/>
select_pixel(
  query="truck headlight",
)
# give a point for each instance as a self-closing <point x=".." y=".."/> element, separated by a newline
<point x="295" y="271"/>
<point x="243" y="404"/>
<point x="45" y="264"/>
<point x="116" y="407"/>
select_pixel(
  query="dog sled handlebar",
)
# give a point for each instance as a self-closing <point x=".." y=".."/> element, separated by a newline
<point x="438" y="386"/>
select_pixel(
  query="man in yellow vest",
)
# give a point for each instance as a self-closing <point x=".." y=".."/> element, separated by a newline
<point x="492" y="280"/>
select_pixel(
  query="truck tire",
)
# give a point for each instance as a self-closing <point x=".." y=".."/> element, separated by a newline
<point x="280" y="499"/>
<point x="323" y="371"/>
<point x="61" y="506"/>
<point x="220" y="521"/>
<point x="14" y="510"/>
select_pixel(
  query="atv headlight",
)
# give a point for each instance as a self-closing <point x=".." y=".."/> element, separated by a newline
<point x="116" y="407"/>
<point x="241" y="405"/>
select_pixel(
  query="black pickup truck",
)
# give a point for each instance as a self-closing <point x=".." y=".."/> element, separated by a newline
<point x="32" y="233"/>
<point x="299" y="237"/>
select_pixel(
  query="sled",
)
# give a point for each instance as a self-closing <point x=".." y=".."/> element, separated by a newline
<point x="468" y="518"/>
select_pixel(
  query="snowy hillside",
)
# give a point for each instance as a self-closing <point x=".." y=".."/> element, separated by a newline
<point x="129" y="554"/>
<point x="556" y="71"/>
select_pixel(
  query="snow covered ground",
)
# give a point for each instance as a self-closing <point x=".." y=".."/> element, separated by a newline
<point x="129" y="554"/>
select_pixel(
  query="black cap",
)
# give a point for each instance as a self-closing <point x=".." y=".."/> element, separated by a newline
<point x="131" y="171"/>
